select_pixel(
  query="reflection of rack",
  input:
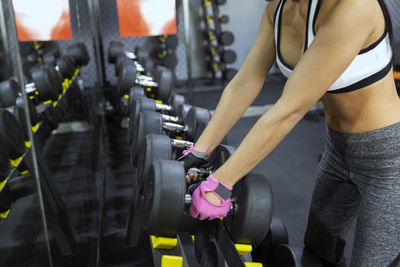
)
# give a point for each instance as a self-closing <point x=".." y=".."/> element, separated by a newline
<point x="56" y="211"/>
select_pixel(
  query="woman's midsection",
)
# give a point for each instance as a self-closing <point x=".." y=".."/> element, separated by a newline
<point x="370" y="108"/>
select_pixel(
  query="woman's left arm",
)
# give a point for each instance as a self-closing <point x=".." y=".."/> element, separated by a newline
<point x="338" y="40"/>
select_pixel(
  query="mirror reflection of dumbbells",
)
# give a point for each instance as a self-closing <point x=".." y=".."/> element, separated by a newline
<point x="225" y="56"/>
<point x="224" y="38"/>
<point x="152" y="122"/>
<point x="139" y="103"/>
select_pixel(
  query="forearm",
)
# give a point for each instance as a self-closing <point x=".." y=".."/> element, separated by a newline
<point x="235" y="100"/>
<point x="265" y="135"/>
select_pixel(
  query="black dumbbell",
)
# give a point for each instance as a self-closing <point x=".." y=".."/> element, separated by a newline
<point x="227" y="73"/>
<point x="118" y="56"/>
<point x="223" y="19"/>
<point x="220" y="2"/>
<point x="79" y="53"/>
<point x="11" y="135"/>
<point x="170" y="41"/>
<point x="153" y="122"/>
<point x="288" y="256"/>
<point x="161" y="87"/>
<point x="166" y="199"/>
<point x="4" y="162"/>
<point x="226" y="56"/>
<point x="5" y="200"/>
<point x="44" y="85"/>
<point x="223" y="38"/>
<point x="51" y="56"/>
<point x="138" y="104"/>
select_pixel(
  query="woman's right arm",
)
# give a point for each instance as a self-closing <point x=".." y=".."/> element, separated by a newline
<point x="244" y="87"/>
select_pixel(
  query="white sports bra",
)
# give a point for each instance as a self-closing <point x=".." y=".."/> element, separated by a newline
<point x="370" y="65"/>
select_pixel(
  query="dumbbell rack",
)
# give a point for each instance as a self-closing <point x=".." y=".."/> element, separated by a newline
<point x="212" y="29"/>
<point x="164" y="53"/>
<point x="56" y="212"/>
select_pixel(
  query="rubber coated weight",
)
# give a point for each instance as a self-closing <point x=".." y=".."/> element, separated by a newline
<point x="287" y="256"/>
<point x="155" y="147"/>
<point x="228" y="74"/>
<point x="137" y="105"/>
<point x="126" y="78"/>
<point x="220" y="155"/>
<point x="228" y="56"/>
<point x="66" y="66"/>
<point x="32" y="110"/>
<point x="11" y="135"/>
<point x="4" y="162"/>
<point x="56" y="79"/>
<point x="175" y="101"/>
<point x="44" y="83"/>
<point x="50" y="117"/>
<point x="147" y="123"/>
<point x="276" y="236"/>
<point x="8" y="93"/>
<point x="164" y="197"/>
<point x="250" y="224"/>
<point x="19" y="114"/>
<point x="122" y="60"/>
<point x="79" y="53"/>
<point x="223" y="19"/>
<point x="50" y="57"/>
<point x="183" y="110"/>
<point x="194" y="117"/>
<point x="114" y="50"/>
<point x="226" y="38"/>
<point x="5" y="198"/>
<point x="164" y="79"/>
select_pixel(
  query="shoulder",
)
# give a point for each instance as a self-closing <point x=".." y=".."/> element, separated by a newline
<point x="270" y="10"/>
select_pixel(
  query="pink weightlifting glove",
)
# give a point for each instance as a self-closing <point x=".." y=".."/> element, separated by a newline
<point x="202" y="208"/>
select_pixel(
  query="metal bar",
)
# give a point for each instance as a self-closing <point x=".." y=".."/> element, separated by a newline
<point x="227" y="247"/>
<point x="14" y="45"/>
<point x="4" y="40"/>
<point x="186" y="24"/>
<point x="187" y="249"/>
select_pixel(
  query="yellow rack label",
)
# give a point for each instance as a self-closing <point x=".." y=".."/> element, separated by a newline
<point x="243" y="248"/>
<point x="15" y="162"/>
<point x="28" y="144"/>
<point x="35" y="128"/>
<point x="171" y="261"/>
<point x="163" y="242"/>
<point x="4" y="215"/>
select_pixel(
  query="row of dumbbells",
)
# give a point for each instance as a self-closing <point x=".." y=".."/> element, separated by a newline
<point x="164" y="51"/>
<point x="49" y="82"/>
<point x="158" y="133"/>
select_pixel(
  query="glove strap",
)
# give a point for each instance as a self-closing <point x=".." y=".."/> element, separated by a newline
<point x="198" y="153"/>
<point x="222" y="190"/>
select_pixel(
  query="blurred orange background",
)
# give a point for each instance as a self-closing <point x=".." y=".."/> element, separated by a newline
<point x="146" y="17"/>
<point x="42" y="20"/>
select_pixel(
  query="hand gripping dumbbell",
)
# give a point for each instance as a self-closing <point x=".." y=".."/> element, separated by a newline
<point x="138" y="104"/>
<point x="166" y="198"/>
<point x="153" y="122"/>
<point x="157" y="147"/>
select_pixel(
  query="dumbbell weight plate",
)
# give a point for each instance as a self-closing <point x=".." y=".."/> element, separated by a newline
<point x="8" y="93"/>
<point x="228" y="56"/>
<point x="56" y="78"/>
<point x="137" y="105"/>
<point x="11" y="135"/>
<point x="221" y="155"/>
<point x="195" y="116"/>
<point x="176" y="100"/>
<point x="4" y="162"/>
<point x="183" y="110"/>
<point x="5" y="198"/>
<point x="114" y="50"/>
<point x="147" y="123"/>
<point x="79" y="53"/>
<point x="252" y="221"/>
<point x="126" y="78"/>
<point x="32" y="110"/>
<point x="226" y="38"/>
<point x="164" y="197"/>
<point x="66" y="66"/>
<point x="287" y="256"/>
<point x="120" y="63"/>
<point x="155" y="147"/>
<point x="19" y="114"/>
<point x="45" y="84"/>
<point x="276" y="236"/>
<point x="164" y="80"/>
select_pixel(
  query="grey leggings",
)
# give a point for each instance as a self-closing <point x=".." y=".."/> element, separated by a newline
<point x="358" y="176"/>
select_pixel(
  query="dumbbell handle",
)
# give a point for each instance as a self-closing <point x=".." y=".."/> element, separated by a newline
<point x="163" y="107"/>
<point x="174" y="127"/>
<point x="144" y="78"/>
<point x="170" y="118"/>
<point x="130" y="55"/>
<point x="180" y="143"/>
<point x="30" y="88"/>
<point x="146" y="83"/>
